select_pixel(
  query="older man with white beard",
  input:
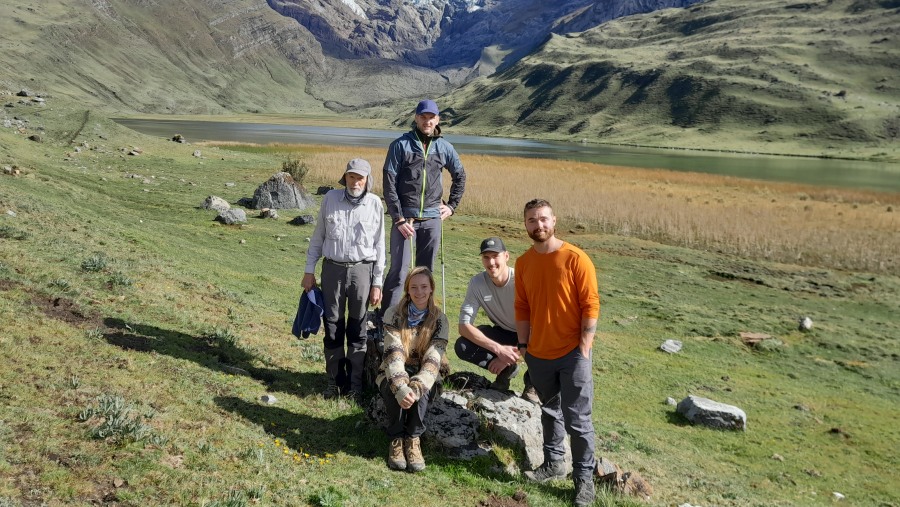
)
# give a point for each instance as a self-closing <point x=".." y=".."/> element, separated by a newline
<point x="349" y="235"/>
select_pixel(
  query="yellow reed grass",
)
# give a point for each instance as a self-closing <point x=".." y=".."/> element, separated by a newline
<point x="798" y="224"/>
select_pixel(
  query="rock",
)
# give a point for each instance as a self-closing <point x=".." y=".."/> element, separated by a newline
<point x="11" y="213"/>
<point x="23" y="93"/>
<point x="611" y="476"/>
<point x="232" y="216"/>
<point x="711" y="413"/>
<point x="268" y="213"/>
<point x="178" y="138"/>
<point x="245" y="202"/>
<point x="38" y="100"/>
<point x="837" y="496"/>
<point x="303" y="220"/>
<point x="324" y="189"/>
<point x="281" y="192"/>
<point x="268" y="399"/>
<point x="805" y="324"/>
<point x="457" y="419"/>
<point x="778" y="457"/>
<point x="671" y="346"/>
<point x="671" y="401"/>
<point x="243" y="242"/>
<point x="216" y="203"/>
<point x="197" y="153"/>
<point x="229" y="184"/>
<point x="36" y="138"/>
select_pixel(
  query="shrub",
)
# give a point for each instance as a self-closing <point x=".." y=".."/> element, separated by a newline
<point x="115" y="420"/>
<point x="9" y="232"/>
<point x="120" y="280"/>
<point x="296" y="167"/>
<point x="94" y="263"/>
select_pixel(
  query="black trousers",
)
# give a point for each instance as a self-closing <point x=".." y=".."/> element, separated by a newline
<point x="401" y="422"/>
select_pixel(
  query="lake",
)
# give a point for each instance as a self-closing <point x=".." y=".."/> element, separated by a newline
<point x="826" y="172"/>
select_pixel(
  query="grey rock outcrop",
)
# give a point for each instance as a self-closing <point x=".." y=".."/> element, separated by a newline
<point x="281" y="192"/>
<point x="461" y="420"/>
<point x="671" y="346"/>
<point x="711" y="413"/>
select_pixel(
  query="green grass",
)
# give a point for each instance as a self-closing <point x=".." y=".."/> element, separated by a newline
<point x="201" y="308"/>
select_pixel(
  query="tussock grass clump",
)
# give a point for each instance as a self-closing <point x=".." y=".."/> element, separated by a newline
<point x="95" y="263"/>
<point x="115" y="420"/>
<point x="10" y="232"/>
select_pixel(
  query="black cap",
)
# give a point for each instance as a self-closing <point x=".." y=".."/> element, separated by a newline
<point x="493" y="245"/>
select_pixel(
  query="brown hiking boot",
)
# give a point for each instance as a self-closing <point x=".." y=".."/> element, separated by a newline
<point x="415" y="462"/>
<point x="396" y="458"/>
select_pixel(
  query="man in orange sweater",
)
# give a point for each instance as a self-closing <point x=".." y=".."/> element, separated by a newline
<point x="557" y="306"/>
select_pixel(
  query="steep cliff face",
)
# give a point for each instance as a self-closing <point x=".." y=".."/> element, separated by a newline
<point x="449" y="33"/>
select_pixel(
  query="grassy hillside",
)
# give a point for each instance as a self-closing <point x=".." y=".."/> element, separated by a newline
<point x="188" y="58"/>
<point x="118" y="294"/>
<point x="813" y="78"/>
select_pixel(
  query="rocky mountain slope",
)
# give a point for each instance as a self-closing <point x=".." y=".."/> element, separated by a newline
<point x="816" y="78"/>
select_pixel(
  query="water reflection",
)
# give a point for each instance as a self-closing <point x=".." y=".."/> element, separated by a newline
<point x="840" y="173"/>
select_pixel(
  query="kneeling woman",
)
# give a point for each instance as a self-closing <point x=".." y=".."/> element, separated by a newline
<point x="415" y="344"/>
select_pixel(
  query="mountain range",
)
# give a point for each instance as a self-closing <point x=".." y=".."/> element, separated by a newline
<point x="813" y="78"/>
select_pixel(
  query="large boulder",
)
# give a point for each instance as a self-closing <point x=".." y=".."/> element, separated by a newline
<point x="215" y="203"/>
<point x="711" y="413"/>
<point x="281" y="192"/>
<point x="232" y="216"/>
<point x="461" y="420"/>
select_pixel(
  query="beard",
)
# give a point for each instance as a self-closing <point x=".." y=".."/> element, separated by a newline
<point x="542" y="235"/>
<point x="354" y="192"/>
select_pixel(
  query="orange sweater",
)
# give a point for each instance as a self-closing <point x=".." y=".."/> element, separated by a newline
<point x="554" y="292"/>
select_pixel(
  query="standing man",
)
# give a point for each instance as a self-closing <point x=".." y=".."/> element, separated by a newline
<point x="349" y="234"/>
<point x="412" y="192"/>
<point x="492" y="347"/>
<point x="557" y="305"/>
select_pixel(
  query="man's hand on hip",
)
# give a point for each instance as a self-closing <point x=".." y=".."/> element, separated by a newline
<point x="446" y="211"/>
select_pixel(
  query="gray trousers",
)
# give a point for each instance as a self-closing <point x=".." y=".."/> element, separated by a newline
<point x="565" y="387"/>
<point x="346" y="291"/>
<point x="427" y="240"/>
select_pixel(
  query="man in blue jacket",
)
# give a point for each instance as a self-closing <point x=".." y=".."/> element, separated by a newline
<point x="413" y="193"/>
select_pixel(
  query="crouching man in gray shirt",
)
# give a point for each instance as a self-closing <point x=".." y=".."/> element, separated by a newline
<point x="493" y="347"/>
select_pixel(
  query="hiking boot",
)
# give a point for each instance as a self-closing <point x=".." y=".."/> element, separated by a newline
<point x="357" y="398"/>
<point x="548" y="470"/>
<point x="415" y="462"/>
<point x="332" y="391"/>
<point x="503" y="378"/>
<point x="396" y="458"/>
<point x="584" y="492"/>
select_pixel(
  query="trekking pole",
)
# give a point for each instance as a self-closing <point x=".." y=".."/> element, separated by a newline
<point x="443" y="278"/>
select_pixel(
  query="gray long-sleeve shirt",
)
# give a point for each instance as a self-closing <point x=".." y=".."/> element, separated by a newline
<point x="347" y="233"/>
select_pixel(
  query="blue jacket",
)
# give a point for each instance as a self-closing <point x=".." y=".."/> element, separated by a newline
<point x="412" y="179"/>
<point x="309" y="313"/>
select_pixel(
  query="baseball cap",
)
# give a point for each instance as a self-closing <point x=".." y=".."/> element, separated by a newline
<point x="427" y="106"/>
<point x="493" y="244"/>
<point x="358" y="166"/>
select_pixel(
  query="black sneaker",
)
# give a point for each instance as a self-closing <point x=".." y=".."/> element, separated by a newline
<point x="503" y="378"/>
<point x="584" y="492"/>
<point x="547" y="471"/>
